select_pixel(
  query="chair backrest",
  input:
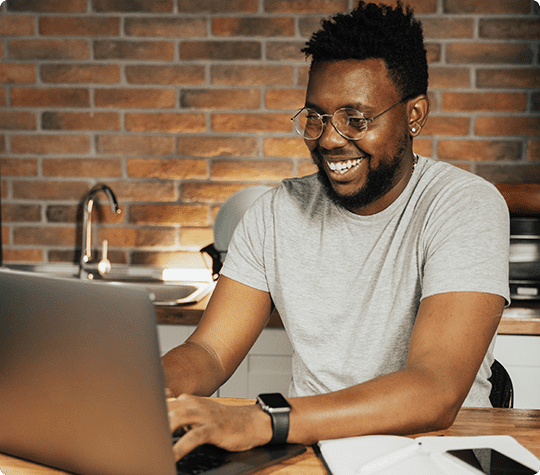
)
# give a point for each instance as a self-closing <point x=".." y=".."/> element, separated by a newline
<point x="502" y="390"/>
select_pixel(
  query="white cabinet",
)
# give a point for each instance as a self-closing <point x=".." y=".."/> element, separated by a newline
<point x="520" y="355"/>
<point x="267" y="367"/>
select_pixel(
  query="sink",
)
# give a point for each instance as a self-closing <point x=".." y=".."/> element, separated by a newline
<point x="164" y="286"/>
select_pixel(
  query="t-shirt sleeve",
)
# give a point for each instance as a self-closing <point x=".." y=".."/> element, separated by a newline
<point x="466" y="242"/>
<point x="245" y="254"/>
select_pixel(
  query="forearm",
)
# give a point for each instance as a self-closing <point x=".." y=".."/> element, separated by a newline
<point x="405" y="402"/>
<point x="192" y="369"/>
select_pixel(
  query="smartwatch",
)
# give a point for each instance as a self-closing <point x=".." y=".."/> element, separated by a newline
<point x="277" y="407"/>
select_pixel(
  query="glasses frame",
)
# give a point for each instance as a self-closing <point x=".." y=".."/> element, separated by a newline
<point x="331" y="116"/>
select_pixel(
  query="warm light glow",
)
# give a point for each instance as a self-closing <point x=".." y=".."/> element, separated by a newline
<point x="187" y="275"/>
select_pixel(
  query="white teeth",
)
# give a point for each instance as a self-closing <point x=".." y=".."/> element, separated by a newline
<point x="342" y="167"/>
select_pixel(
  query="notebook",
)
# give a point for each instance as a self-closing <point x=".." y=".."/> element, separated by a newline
<point x="81" y="382"/>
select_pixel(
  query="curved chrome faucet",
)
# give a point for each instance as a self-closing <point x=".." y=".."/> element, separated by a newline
<point x="86" y="248"/>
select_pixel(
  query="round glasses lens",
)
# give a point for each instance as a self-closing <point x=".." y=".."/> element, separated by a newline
<point x="308" y="124"/>
<point x="350" y="123"/>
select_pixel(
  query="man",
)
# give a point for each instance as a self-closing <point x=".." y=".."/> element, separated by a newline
<point x="389" y="270"/>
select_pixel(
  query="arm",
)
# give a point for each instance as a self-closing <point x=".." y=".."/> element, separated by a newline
<point x="450" y="337"/>
<point x="235" y="316"/>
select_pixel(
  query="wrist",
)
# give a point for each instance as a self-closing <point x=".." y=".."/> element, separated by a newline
<point x="278" y="409"/>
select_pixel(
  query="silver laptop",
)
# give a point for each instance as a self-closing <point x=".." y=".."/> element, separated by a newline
<point x="81" y="382"/>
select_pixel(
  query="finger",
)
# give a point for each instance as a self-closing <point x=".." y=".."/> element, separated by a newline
<point x="192" y="439"/>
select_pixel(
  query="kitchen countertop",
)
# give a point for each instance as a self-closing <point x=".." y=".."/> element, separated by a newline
<point x="520" y="318"/>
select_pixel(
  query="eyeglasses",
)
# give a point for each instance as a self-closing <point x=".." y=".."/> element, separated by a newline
<point x="349" y="123"/>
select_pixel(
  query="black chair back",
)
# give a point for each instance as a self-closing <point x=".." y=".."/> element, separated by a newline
<point x="502" y="390"/>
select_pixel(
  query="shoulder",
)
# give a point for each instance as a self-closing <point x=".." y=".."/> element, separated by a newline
<point x="443" y="185"/>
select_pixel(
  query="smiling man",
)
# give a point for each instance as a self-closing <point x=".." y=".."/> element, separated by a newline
<point x="389" y="270"/>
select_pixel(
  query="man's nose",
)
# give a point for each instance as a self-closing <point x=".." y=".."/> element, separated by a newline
<point x="330" y="137"/>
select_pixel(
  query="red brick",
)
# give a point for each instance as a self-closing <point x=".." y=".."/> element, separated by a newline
<point x="48" y="6"/>
<point x="178" y="74"/>
<point x="44" y="235"/>
<point x="20" y="213"/>
<point x="220" y="50"/>
<point x="82" y="167"/>
<point x="133" y="237"/>
<point x="505" y="28"/>
<point x="135" y="145"/>
<point x="175" y="27"/>
<point x="488" y="101"/>
<point x="251" y="170"/>
<point x="163" y="214"/>
<point x="533" y="150"/>
<point x="134" y="50"/>
<point x="305" y="6"/>
<point x="509" y="126"/>
<point x="3" y="101"/>
<point x="479" y="150"/>
<point x="49" y="97"/>
<point x="508" y="78"/>
<point x="306" y="168"/>
<point x="195" y="238"/>
<point x="221" y="99"/>
<point x="498" y="173"/>
<point x="48" y="49"/>
<point x="290" y="99"/>
<point x="18" y="167"/>
<point x="16" y="25"/>
<point x="253" y="26"/>
<point x="208" y="146"/>
<point x="418" y="6"/>
<point x="79" y="26"/>
<point x="218" y="6"/>
<point x="50" y="144"/>
<point x="488" y="53"/>
<point x="448" y="77"/>
<point x="12" y="120"/>
<point x="269" y="123"/>
<point x="167" y="168"/>
<point x="446" y="125"/>
<point x="17" y="73"/>
<point x="135" y="98"/>
<point x="49" y="190"/>
<point x="22" y="255"/>
<point x="210" y="192"/>
<point x="137" y="191"/>
<point x="285" y="51"/>
<point x="64" y="213"/>
<point x="80" y="73"/>
<point x="285" y="147"/>
<point x="252" y="75"/>
<point x="80" y="121"/>
<point x="442" y="27"/>
<point x="129" y="6"/>
<point x="486" y="6"/>
<point x="165" y="122"/>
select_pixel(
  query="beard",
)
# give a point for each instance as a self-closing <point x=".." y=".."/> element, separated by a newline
<point x="379" y="181"/>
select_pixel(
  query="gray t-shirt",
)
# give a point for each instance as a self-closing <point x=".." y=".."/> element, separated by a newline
<point x="348" y="287"/>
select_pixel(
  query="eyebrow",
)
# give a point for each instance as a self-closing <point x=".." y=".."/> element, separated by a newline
<point x="358" y="106"/>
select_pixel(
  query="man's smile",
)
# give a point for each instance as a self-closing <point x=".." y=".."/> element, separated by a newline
<point x="343" y="166"/>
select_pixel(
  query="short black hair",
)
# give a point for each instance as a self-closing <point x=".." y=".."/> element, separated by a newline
<point x="372" y="31"/>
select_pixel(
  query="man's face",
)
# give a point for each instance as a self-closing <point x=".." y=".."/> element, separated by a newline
<point x="378" y="166"/>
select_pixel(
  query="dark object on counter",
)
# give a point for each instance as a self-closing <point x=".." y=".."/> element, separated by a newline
<point x="502" y="390"/>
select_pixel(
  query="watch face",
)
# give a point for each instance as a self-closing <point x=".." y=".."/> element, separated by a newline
<point x="274" y="400"/>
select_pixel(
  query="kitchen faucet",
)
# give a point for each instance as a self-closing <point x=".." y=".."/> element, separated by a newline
<point x="86" y="248"/>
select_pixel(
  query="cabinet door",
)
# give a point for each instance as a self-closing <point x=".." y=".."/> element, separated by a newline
<point x="520" y="355"/>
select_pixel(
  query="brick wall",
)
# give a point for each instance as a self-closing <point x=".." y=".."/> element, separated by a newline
<point x="176" y="104"/>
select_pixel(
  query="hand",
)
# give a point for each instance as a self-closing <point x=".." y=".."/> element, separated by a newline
<point x="203" y="421"/>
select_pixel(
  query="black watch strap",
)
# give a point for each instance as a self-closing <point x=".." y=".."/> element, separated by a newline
<point x="280" y="427"/>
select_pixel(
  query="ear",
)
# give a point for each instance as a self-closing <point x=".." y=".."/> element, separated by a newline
<point x="418" y="113"/>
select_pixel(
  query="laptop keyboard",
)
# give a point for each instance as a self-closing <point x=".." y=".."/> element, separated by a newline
<point x="201" y="460"/>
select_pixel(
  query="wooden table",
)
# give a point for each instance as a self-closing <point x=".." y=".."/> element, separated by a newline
<point x="522" y="424"/>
